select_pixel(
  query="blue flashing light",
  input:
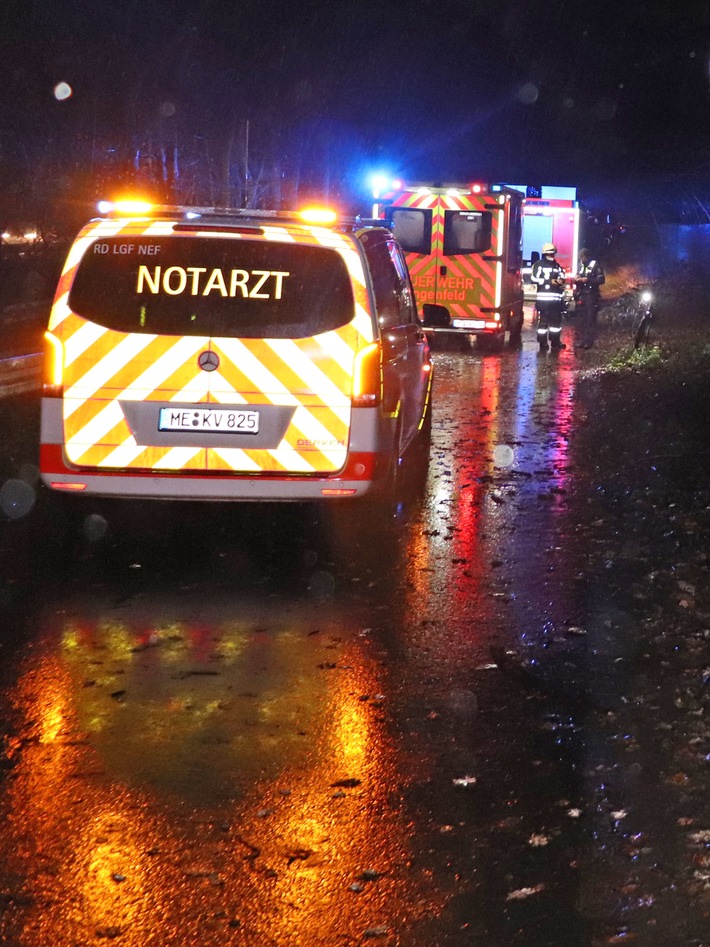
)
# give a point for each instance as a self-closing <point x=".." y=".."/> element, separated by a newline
<point x="380" y="182"/>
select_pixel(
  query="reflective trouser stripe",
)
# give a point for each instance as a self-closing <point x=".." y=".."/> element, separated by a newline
<point x="555" y="329"/>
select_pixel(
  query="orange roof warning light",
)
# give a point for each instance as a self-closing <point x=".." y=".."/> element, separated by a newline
<point x="318" y="215"/>
<point x="127" y="207"/>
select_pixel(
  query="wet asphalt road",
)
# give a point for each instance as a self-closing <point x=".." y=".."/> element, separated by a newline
<point x="295" y="727"/>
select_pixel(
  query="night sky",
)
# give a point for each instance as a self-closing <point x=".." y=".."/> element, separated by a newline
<point x="561" y="92"/>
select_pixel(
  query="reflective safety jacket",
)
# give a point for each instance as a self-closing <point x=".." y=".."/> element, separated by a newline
<point x="594" y="275"/>
<point x="549" y="278"/>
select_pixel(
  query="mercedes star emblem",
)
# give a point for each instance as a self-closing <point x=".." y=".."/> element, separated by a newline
<point x="208" y="361"/>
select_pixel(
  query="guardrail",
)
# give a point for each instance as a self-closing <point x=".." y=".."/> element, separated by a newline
<point x="20" y="374"/>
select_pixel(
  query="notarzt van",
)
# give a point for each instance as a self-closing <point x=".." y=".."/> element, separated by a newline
<point x="232" y="355"/>
<point x="463" y="248"/>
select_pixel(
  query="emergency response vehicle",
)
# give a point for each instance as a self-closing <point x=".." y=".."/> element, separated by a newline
<point x="197" y="353"/>
<point x="463" y="248"/>
<point x="550" y="215"/>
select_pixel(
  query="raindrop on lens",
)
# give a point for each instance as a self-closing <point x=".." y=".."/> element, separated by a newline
<point x="16" y="498"/>
<point x="462" y="703"/>
<point x="503" y="456"/>
<point x="310" y="558"/>
<point x="95" y="527"/>
<point x="62" y="91"/>
<point x="528" y="93"/>
<point x="322" y="585"/>
<point x="29" y="473"/>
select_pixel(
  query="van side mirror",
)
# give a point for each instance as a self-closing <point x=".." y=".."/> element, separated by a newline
<point x="435" y="317"/>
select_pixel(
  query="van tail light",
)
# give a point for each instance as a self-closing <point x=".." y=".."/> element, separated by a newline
<point x="367" y="377"/>
<point x="52" y="381"/>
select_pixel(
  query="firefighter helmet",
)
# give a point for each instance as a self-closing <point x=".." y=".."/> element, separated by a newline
<point x="548" y="248"/>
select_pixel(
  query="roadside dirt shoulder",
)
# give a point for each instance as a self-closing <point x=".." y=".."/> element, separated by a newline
<point x="645" y="442"/>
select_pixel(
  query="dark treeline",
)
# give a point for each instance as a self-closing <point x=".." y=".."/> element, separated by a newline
<point x="268" y="104"/>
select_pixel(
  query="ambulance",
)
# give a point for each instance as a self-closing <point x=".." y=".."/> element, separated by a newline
<point x="214" y="354"/>
<point x="463" y="245"/>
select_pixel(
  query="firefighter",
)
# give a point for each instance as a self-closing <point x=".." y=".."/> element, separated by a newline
<point x="549" y="278"/>
<point x="589" y="278"/>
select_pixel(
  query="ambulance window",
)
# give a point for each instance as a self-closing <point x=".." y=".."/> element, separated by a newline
<point x="412" y="229"/>
<point x="175" y="285"/>
<point x="392" y="301"/>
<point x="467" y="231"/>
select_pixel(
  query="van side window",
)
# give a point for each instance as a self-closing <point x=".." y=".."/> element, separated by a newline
<point x="392" y="300"/>
<point x="406" y="291"/>
<point x="411" y="228"/>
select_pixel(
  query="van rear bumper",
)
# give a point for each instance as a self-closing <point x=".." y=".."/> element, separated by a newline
<point x="365" y="467"/>
<point x="356" y="480"/>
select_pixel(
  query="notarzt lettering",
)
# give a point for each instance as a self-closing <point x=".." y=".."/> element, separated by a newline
<point x="200" y="281"/>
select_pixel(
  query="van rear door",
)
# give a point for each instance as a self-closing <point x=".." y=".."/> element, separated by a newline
<point x="466" y="284"/>
<point x="189" y="351"/>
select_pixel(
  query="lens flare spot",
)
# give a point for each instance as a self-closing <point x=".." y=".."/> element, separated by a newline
<point x="62" y="91"/>
<point x="17" y="498"/>
<point x="528" y="93"/>
<point x="94" y="527"/>
<point x="503" y="456"/>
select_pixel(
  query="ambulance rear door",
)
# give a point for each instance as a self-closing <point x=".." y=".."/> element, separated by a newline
<point x="465" y="264"/>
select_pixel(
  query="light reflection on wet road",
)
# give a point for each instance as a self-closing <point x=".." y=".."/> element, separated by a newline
<point x="287" y="727"/>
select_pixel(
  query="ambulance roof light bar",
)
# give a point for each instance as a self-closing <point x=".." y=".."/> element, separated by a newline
<point x="380" y="183"/>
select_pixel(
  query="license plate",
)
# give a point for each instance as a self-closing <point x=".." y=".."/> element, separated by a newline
<point x="209" y="420"/>
<point x="468" y="324"/>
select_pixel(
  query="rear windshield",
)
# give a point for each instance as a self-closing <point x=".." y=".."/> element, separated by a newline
<point x="178" y="285"/>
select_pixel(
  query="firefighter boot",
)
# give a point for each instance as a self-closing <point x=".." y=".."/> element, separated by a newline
<point x="556" y="343"/>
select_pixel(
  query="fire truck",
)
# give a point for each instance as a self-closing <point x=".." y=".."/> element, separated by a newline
<point x="463" y="246"/>
<point x="550" y="215"/>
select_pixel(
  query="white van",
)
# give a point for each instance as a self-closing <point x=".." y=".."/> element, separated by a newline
<point x="232" y="355"/>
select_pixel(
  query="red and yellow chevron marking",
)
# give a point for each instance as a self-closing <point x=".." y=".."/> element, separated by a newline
<point x="470" y="283"/>
<point x="313" y="375"/>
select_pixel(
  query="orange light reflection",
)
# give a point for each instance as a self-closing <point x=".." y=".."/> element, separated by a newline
<point x="109" y="812"/>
